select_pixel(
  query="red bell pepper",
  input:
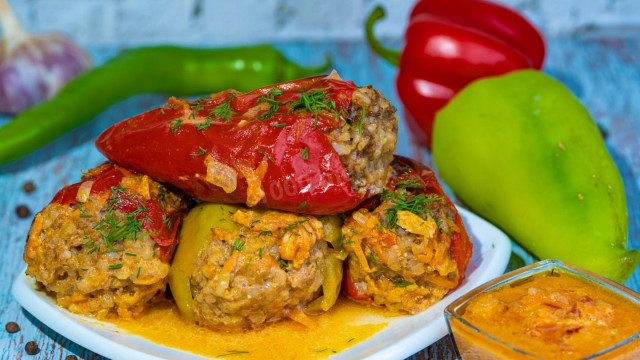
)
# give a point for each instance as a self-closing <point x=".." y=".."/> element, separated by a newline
<point x="408" y="170"/>
<point x="264" y="147"/>
<point x="449" y="44"/>
<point x="162" y="223"/>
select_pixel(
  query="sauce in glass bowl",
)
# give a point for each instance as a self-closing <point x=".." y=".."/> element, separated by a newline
<point x="547" y="310"/>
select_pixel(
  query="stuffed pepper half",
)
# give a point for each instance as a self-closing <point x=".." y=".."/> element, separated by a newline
<point x="239" y="268"/>
<point x="103" y="246"/>
<point x="411" y="249"/>
<point x="318" y="145"/>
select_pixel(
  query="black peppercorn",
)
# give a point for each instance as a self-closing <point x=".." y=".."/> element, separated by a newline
<point x="12" y="327"/>
<point x="28" y="187"/>
<point x="23" y="212"/>
<point x="31" y="348"/>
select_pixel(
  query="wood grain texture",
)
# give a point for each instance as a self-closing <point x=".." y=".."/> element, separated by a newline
<point x="604" y="73"/>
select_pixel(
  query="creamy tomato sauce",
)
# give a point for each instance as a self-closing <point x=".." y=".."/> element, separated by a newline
<point x="553" y="315"/>
<point x="345" y="325"/>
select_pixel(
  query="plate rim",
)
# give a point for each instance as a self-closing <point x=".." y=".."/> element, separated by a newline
<point x="72" y="327"/>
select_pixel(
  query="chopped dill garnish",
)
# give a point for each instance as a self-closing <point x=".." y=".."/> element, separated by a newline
<point x="114" y="229"/>
<point x="138" y="274"/>
<point x="196" y="107"/>
<point x="313" y="101"/>
<point x="295" y="225"/>
<point x="237" y="245"/>
<point x="279" y="125"/>
<point x="302" y="204"/>
<point x="85" y="215"/>
<point x="261" y="250"/>
<point x="267" y="155"/>
<point x="249" y="262"/>
<point x="355" y="231"/>
<point x="202" y="151"/>
<point x="401" y="283"/>
<point x="283" y="264"/>
<point x="372" y="257"/>
<point x="412" y="183"/>
<point x="274" y="105"/>
<point x="266" y="233"/>
<point x="361" y="120"/>
<point x="162" y="196"/>
<point x="403" y="201"/>
<point x="304" y="155"/>
<point x="168" y="222"/>
<point x="223" y="111"/>
<point x="115" y="267"/>
<point x="175" y="125"/>
<point x="130" y="254"/>
<point x="206" y="124"/>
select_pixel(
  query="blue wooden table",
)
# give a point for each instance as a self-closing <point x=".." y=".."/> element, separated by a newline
<point x="603" y="72"/>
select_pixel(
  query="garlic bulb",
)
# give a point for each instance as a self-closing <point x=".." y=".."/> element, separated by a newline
<point x="34" y="67"/>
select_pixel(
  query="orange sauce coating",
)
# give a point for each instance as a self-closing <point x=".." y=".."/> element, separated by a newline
<point x="345" y="325"/>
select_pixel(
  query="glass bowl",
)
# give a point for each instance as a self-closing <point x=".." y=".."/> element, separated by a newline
<point x="531" y="313"/>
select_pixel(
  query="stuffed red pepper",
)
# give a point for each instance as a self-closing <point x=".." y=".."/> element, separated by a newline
<point x="103" y="245"/>
<point x="318" y="145"/>
<point x="409" y="250"/>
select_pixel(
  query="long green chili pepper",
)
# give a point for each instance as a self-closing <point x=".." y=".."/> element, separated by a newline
<point x="163" y="69"/>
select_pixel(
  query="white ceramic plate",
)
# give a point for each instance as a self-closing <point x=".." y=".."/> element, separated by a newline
<point x="404" y="336"/>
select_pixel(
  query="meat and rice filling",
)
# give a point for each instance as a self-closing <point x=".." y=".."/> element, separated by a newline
<point x="367" y="144"/>
<point x="96" y="254"/>
<point x="267" y="269"/>
<point x="400" y="253"/>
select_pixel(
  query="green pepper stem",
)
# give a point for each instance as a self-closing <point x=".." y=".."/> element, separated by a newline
<point x="392" y="56"/>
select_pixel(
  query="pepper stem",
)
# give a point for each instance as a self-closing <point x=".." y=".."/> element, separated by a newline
<point x="392" y="56"/>
<point x="13" y="34"/>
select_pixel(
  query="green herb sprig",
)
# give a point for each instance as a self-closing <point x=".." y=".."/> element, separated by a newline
<point x="274" y="105"/>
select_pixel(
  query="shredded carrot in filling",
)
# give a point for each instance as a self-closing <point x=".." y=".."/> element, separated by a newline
<point x="178" y="103"/>
<point x="296" y="234"/>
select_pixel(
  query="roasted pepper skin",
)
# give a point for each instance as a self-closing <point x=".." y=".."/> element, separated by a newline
<point x="448" y="44"/>
<point x="521" y="151"/>
<point x="461" y="247"/>
<point x="154" y="221"/>
<point x="317" y="185"/>
<point x="173" y="70"/>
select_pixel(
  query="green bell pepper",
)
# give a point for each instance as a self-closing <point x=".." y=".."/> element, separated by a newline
<point x="521" y="151"/>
